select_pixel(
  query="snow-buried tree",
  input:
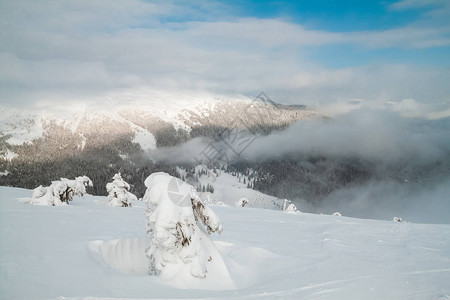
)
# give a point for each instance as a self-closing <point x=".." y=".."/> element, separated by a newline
<point x="118" y="192"/>
<point x="61" y="191"/>
<point x="179" y="243"/>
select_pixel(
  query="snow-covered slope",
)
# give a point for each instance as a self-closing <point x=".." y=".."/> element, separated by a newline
<point x="93" y="251"/>
<point x="21" y="126"/>
<point x="228" y="189"/>
<point x="158" y="119"/>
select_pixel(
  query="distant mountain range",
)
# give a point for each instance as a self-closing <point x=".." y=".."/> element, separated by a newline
<point x="47" y="142"/>
<point x="44" y="143"/>
<point x="29" y="134"/>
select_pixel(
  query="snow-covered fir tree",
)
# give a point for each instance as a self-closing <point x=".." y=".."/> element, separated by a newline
<point x="61" y="191"/>
<point x="174" y="214"/>
<point x="119" y="192"/>
<point x="242" y="202"/>
<point x="289" y="207"/>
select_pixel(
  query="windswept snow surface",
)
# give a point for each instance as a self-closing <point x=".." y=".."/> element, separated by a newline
<point x="88" y="250"/>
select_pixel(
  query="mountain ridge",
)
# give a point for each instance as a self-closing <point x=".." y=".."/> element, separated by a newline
<point x="41" y="145"/>
<point x="19" y="126"/>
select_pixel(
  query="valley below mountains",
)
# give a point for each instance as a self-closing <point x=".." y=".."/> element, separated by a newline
<point x="40" y="145"/>
<point x="319" y="163"/>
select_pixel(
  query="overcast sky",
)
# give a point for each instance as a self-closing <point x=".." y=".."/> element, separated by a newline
<point x="319" y="53"/>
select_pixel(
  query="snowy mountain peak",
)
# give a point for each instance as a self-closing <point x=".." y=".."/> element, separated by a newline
<point x="160" y="122"/>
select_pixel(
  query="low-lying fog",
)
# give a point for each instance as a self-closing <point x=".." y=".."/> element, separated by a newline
<point x="382" y="137"/>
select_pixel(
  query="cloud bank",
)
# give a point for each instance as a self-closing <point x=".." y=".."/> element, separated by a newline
<point x="387" y="138"/>
<point x="84" y="50"/>
<point x="380" y="135"/>
<point x="385" y="200"/>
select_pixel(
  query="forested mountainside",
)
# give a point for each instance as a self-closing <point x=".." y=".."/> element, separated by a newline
<point x="314" y="178"/>
<point x="37" y="148"/>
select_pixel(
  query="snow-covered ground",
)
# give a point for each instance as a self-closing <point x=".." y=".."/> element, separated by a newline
<point x="228" y="189"/>
<point x="90" y="250"/>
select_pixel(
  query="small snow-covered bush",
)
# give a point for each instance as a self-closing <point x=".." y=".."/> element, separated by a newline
<point x="289" y="207"/>
<point x="242" y="202"/>
<point x="118" y="192"/>
<point x="61" y="191"/>
<point x="177" y="238"/>
<point x="39" y="192"/>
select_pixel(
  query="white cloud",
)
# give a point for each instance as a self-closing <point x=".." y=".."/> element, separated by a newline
<point x="372" y="134"/>
<point x="406" y="37"/>
<point x="271" y="33"/>
<point x="76" y="49"/>
<point x="414" y="4"/>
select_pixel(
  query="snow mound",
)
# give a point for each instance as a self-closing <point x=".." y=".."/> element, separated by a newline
<point x="237" y="267"/>
<point x="128" y="256"/>
<point x="124" y="255"/>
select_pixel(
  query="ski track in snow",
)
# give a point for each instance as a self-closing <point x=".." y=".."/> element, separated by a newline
<point x="90" y="251"/>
